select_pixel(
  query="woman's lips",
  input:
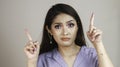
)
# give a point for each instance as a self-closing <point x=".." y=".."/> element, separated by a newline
<point x="65" y="39"/>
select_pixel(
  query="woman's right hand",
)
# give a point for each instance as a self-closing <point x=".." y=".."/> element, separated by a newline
<point x="32" y="48"/>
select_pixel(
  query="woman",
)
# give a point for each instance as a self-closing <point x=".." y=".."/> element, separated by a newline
<point x="63" y="43"/>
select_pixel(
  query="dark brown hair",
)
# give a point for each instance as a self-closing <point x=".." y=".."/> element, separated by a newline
<point x="52" y="13"/>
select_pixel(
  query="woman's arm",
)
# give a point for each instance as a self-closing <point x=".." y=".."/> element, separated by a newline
<point x="32" y="63"/>
<point x="103" y="59"/>
<point x="95" y="36"/>
<point x="32" y="51"/>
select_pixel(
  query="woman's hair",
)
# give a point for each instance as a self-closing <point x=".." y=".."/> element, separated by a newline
<point x="52" y="13"/>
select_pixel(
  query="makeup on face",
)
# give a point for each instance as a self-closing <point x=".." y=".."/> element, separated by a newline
<point x="65" y="38"/>
<point x="64" y="29"/>
<point x="59" y="25"/>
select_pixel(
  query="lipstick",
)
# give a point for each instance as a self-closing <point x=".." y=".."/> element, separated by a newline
<point x="65" y="39"/>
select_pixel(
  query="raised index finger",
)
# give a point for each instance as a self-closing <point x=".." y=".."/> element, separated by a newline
<point x="28" y="35"/>
<point x="91" y="21"/>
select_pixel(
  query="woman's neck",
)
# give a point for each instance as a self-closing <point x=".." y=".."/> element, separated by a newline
<point x="67" y="51"/>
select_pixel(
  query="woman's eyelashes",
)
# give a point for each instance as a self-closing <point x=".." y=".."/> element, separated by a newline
<point x="69" y="25"/>
<point x="57" y="26"/>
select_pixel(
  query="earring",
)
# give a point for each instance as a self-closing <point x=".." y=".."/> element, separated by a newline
<point x="50" y="41"/>
<point x="50" y="36"/>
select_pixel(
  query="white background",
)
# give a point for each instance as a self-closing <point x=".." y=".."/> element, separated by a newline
<point x="16" y="15"/>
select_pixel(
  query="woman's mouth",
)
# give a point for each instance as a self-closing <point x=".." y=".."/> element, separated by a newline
<point x="65" y="39"/>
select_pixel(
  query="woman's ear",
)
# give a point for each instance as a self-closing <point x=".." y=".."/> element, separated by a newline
<point x="49" y="31"/>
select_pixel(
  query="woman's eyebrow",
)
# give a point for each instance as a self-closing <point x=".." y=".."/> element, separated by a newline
<point x="61" y="23"/>
<point x="57" y="23"/>
<point x="69" y="21"/>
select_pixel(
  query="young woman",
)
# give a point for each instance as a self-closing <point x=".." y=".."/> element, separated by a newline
<point x="63" y="42"/>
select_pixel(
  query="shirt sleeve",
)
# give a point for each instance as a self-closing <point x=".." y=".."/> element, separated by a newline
<point x="41" y="61"/>
<point x="92" y="55"/>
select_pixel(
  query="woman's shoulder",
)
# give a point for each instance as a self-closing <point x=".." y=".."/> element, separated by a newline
<point x="88" y="51"/>
<point x="88" y="55"/>
<point x="43" y="58"/>
<point x="47" y="54"/>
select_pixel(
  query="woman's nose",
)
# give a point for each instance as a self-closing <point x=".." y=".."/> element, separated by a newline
<point x="65" y="30"/>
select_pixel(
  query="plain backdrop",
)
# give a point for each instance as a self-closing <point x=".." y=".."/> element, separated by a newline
<point x="17" y="15"/>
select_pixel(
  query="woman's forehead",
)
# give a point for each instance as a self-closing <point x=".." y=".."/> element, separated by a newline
<point x="63" y="18"/>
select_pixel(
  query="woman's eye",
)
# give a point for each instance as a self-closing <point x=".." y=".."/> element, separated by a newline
<point x="70" y="25"/>
<point x="57" y="26"/>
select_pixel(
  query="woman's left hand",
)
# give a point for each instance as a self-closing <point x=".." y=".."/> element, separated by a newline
<point x="94" y="34"/>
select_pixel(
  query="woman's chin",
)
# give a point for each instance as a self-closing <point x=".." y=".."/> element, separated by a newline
<point x="66" y="44"/>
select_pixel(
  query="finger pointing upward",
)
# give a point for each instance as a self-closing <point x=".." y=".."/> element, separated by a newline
<point x="28" y="35"/>
<point x="91" y="22"/>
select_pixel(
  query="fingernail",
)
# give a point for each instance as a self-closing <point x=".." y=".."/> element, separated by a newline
<point x="35" y="45"/>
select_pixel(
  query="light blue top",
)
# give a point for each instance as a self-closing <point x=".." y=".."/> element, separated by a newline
<point x="87" y="57"/>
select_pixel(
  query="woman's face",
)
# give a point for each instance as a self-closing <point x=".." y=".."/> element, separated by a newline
<point x="64" y="29"/>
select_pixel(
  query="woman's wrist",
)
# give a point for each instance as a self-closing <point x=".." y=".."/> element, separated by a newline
<point x="32" y="60"/>
<point x="100" y="48"/>
<point x="32" y="63"/>
<point x="98" y="44"/>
